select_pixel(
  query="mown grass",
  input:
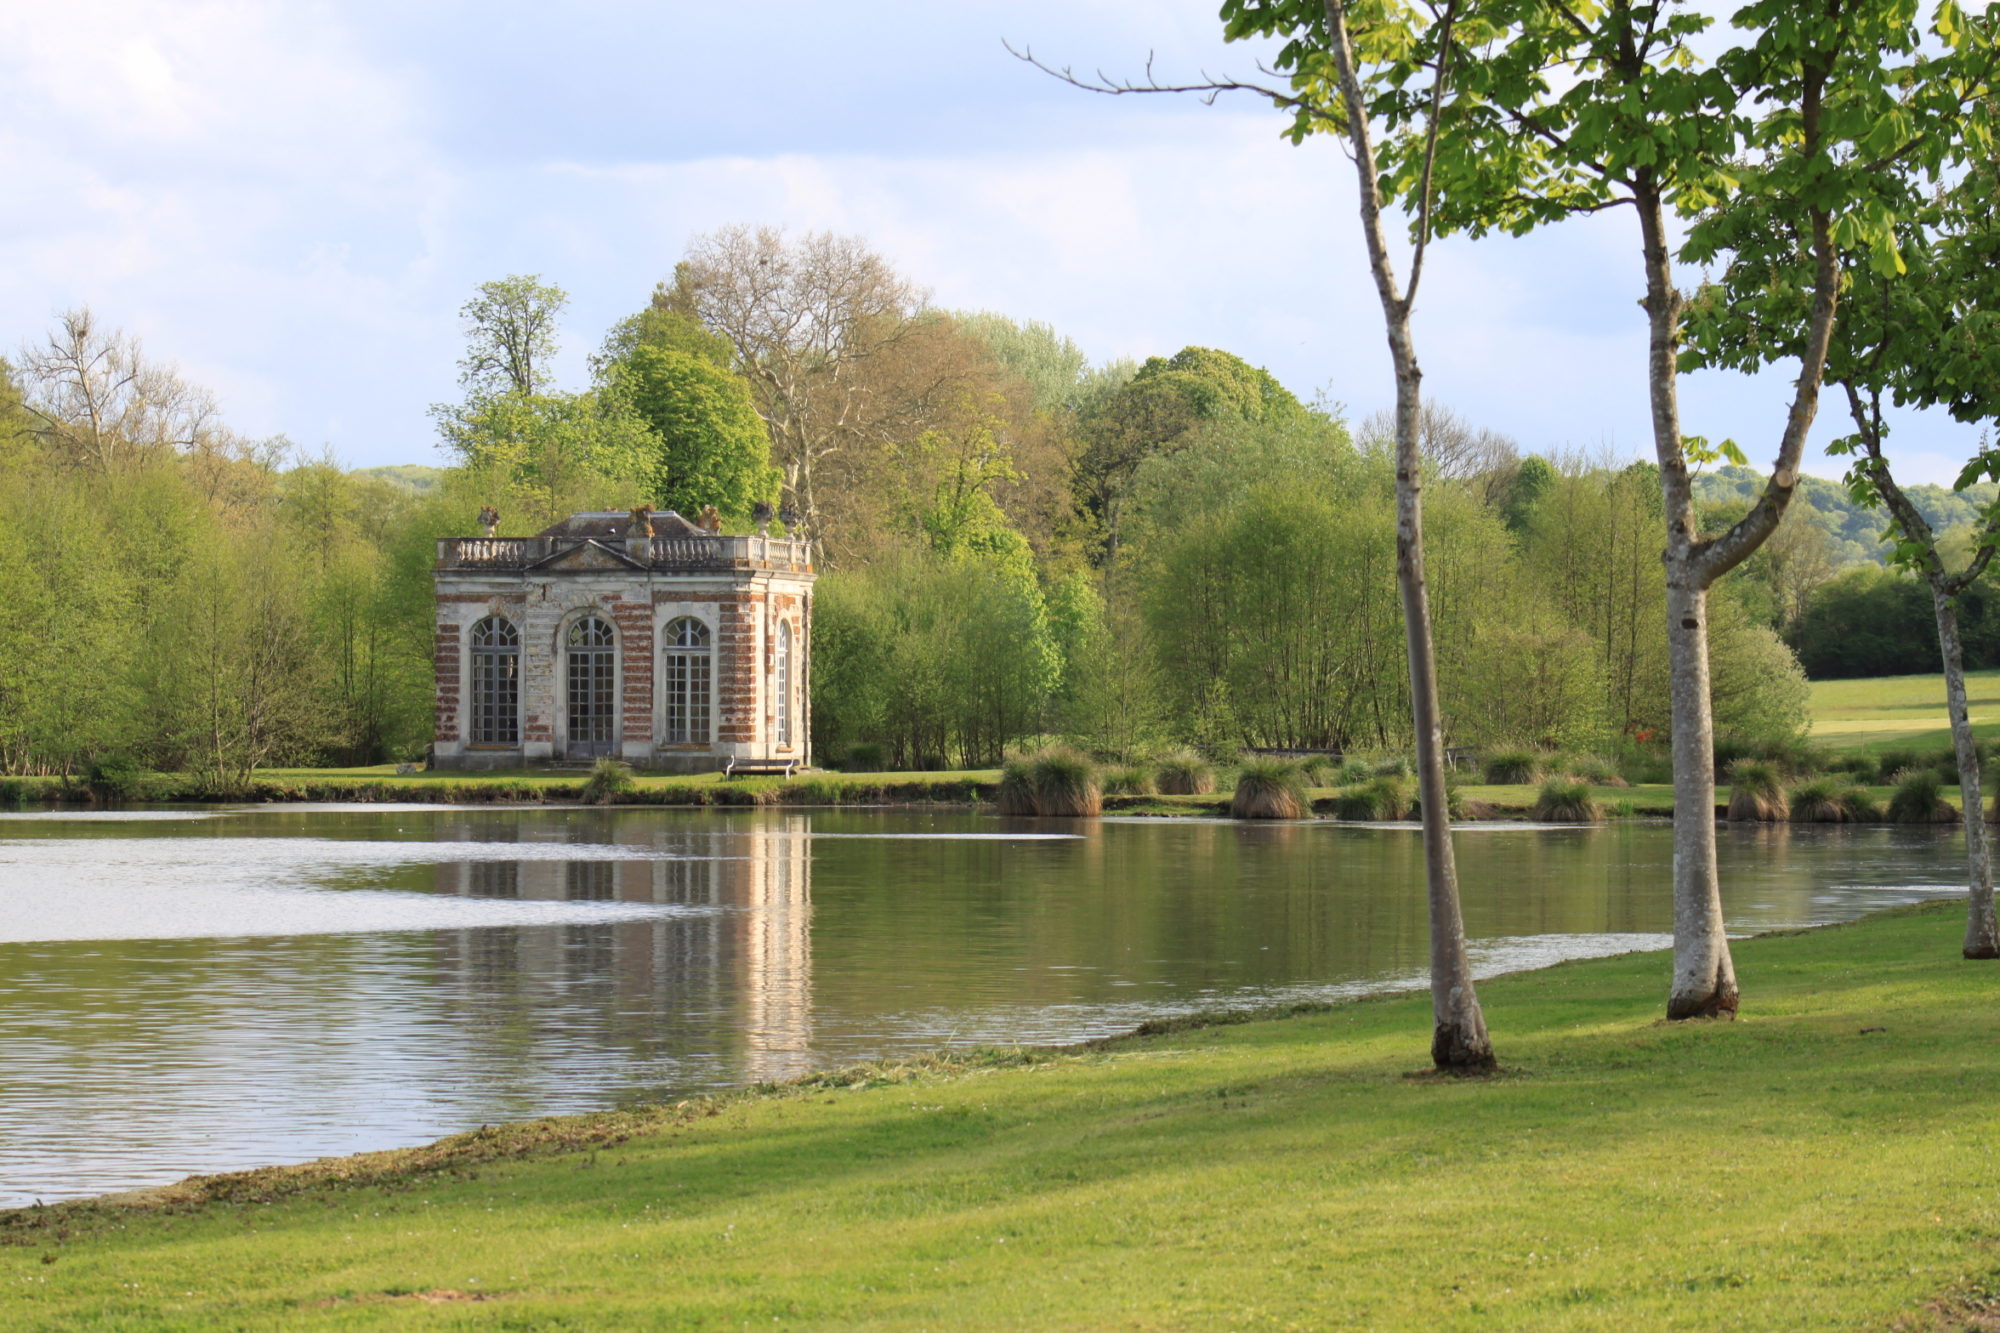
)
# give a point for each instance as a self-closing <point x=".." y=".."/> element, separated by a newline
<point x="1826" y="1161"/>
<point x="1899" y="712"/>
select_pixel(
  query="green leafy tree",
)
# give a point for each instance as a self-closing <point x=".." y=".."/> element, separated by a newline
<point x="1916" y="324"/>
<point x="711" y="444"/>
<point x="1801" y="112"/>
<point x="511" y="336"/>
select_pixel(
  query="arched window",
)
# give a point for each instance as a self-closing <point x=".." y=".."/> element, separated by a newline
<point x="686" y="673"/>
<point x="781" y="682"/>
<point x="496" y="683"/>
<point x="593" y="702"/>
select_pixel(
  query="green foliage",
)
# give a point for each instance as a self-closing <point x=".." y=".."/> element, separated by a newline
<point x="1529" y="487"/>
<point x="711" y="444"/>
<point x="931" y="655"/>
<point x="510" y="336"/>
<point x="1269" y="789"/>
<point x="115" y="776"/>
<point x="1055" y="782"/>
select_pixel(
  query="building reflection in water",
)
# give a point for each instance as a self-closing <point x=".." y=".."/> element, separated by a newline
<point x="725" y="985"/>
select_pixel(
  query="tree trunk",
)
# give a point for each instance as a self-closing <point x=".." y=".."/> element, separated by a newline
<point x="1459" y="1042"/>
<point x="1982" y="936"/>
<point x="1704" y="984"/>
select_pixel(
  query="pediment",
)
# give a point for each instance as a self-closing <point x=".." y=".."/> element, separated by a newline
<point x="585" y="558"/>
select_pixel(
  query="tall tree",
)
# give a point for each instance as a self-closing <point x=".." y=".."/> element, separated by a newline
<point x="1459" y="1040"/>
<point x="98" y="402"/>
<point x="810" y="323"/>
<point x="712" y="446"/>
<point x="511" y="335"/>
<point x="1913" y="326"/>
<point x="1803" y="108"/>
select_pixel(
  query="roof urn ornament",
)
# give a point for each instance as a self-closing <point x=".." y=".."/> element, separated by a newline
<point x="761" y="514"/>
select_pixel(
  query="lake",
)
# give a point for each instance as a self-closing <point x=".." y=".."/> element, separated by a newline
<point x="201" y="990"/>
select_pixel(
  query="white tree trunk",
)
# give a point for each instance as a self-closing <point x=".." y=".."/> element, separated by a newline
<point x="1704" y="984"/>
<point x="1982" y="937"/>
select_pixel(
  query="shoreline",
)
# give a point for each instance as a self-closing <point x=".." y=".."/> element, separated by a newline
<point x="1244" y="1167"/>
<point x="539" y="1133"/>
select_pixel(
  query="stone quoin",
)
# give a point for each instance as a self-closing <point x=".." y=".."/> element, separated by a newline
<point x="640" y="636"/>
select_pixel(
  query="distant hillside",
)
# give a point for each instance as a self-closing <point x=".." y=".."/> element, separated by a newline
<point x="412" y="477"/>
<point x="1857" y="532"/>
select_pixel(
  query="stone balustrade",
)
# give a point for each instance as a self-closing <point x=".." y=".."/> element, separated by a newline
<point x="668" y="554"/>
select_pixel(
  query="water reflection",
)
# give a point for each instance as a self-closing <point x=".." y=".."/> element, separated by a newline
<point x="279" y="983"/>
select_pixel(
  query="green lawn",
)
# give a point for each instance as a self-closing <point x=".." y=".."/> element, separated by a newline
<point x="1899" y="712"/>
<point x="1828" y="1161"/>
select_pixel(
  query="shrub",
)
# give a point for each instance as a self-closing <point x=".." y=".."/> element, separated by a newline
<point x="1861" y="767"/>
<point x="1269" y="789"/>
<point x="1394" y="766"/>
<point x="1352" y="771"/>
<point x="115" y="776"/>
<point x="609" y="779"/>
<point x="1823" y="801"/>
<point x="1509" y="768"/>
<point x="1755" y="792"/>
<point x="1129" y="782"/>
<point x="1384" y="798"/>
<point x="1185" y="773"/>
<point x="13" y="793"/>
<point x="864" y="757"/>
<point x="1890" y="763"/>
<point x="1919" y="799"/>
<point x="1560" y="802"/>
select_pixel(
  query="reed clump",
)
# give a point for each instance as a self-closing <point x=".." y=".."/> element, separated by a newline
<point x="609" y="779"/>
<point x="1185" y="773"/>
<point x="1135" y="781"/>
<point x="1057" y="782"/>
<point x="1564" y="802"/>
<point x="1830" y="800"/>
<point x="1756" y="792"/>
<point x="1919" y="799"/>
<point x="1269" y="789"/>
<point x="1381" y="799"/>
<point x="1512" y="768"/>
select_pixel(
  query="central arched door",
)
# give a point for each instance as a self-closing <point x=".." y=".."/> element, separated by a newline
<point x="593" y="697"/>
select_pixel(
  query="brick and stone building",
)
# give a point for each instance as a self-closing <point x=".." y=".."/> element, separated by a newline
<point x="638" y="636"/>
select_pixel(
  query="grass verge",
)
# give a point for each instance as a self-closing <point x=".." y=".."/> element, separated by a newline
<point x="1824" y="1162"/>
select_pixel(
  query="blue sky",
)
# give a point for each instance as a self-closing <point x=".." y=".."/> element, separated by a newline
<point x="291" y="200"/>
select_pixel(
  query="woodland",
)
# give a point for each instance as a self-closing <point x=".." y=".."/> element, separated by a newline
<point x="1015" y="543"/>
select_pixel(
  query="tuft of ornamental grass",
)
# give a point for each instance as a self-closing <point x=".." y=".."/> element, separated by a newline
<point x="1185" y="773"/>
<point x="1064" y="784"/>
<point x="609" y="779"/>
<point x="1269" y="789"/>
<point x="1136" y="781"/>
<point x="1395" y="766"/>
<point x="1829" y="800"/>
<point x="1512" y="768"/>
<point x="1755" y="792"/>
<point x="1015" y="796"/>
<point x="1919" y="799"/>
<point x="1561" y="802"/>
<point x="1378" y="800"/>
<point x="1594" y="769"/>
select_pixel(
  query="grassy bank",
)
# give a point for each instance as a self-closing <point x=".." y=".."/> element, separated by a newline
<point x="1899" y="712"/>
<point x="1826" y="1162"/>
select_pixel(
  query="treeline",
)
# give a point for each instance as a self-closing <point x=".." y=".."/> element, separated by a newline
<point x="1014" y="542"/>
